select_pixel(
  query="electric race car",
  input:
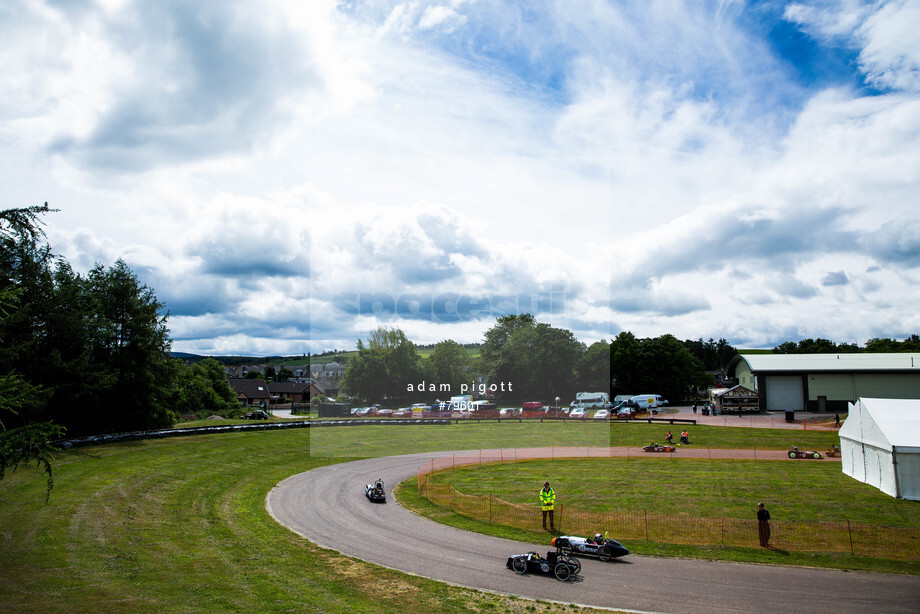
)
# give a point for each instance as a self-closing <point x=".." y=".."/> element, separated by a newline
<point x="796" y="453"/>
<point x="601" y="546"/>
<point x="375" y="492"/>
<point x="654" y="447"/>
<point x="554" y="564"/>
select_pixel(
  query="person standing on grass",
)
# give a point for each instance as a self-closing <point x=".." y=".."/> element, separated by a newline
<point x="837" y="420"/>
<point x="547" y="503"/>
<point x="763" y="525"/>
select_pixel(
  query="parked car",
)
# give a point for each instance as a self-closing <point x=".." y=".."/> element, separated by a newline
<point x="602" y="414"/>
<point x="383" y="412"/>
<point x="578" y="413"/>
<point x="365" y="411"/>
<point x="403" y="412"/>
<point x="508" y="412"/>
<point x="256" y="415"/>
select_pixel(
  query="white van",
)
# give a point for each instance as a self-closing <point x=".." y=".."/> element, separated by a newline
<point x="589" y="400"/>
<point x="648" y="401"/>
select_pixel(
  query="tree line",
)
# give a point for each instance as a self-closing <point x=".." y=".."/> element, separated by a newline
<point x="826" y="346"/>
<point x="84" y="354"/>
<point x="524" y="359"/>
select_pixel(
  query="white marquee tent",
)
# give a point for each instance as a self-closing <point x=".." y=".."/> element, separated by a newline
<point x="880" y="445"/>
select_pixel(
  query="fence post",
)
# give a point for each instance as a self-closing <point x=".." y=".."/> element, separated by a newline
<point x="560" y="518"/>
<point x="850" y="534"/>
<point x="490" y="508"/>
<point x="645" y="515"/>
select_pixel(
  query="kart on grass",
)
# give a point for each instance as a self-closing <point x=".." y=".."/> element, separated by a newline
<point x="375" y="492"/>
<point x="796" y="453"/>
<point x="555" y="563"/>
<point x="603" y="548"/>
<point x="654" y="447"/>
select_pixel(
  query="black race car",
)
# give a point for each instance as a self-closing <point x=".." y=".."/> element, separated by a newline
<point x="601" y="547"/>
<point x="554" y="564"/>
<point x="375" y="492"/>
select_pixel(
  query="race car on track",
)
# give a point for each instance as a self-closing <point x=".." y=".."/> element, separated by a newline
<point x="554" y="564"/>
<point x="601" y="546"/>
<point x="833" y="451"/>
<point x="796" y="453"/>
<point x="654" y="447"/>
<point x="375" y="492"/>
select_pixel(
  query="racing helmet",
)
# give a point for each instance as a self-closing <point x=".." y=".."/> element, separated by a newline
<point x="598" y="538"/>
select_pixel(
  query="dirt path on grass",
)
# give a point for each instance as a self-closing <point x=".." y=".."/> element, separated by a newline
<point x="327" y="506"/>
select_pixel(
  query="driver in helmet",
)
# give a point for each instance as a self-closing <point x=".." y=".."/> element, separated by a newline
<point x="598" y="538"/>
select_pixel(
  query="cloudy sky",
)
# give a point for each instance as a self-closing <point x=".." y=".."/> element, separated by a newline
<point x="288" y="175"/>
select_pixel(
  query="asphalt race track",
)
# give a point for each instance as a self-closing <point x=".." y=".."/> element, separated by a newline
<point x="327" y="506"/>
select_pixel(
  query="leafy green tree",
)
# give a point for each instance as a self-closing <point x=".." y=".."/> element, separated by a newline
<point x="450" y="364"/>
<point x="624" y="370"/>
<point x="19" y="441"/>
<point x="284" y="374"/>
<point x="497" y="336"/>
<point x="202" y="389"/>
<point x="539" y="362"/>
<point x="384" y="367"/>
<point x="271" y="375"/>
<point x="97" y="344"/>
<point x="593" y="368"/>
<point x="655" y="366"/>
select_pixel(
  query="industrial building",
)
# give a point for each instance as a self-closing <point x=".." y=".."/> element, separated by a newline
<point x="826" y="382"/>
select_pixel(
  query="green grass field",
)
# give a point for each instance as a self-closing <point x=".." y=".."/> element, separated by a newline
<point x="179" y="525"/>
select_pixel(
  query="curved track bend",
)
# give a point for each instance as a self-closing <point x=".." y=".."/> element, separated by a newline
<point x="327" y="506"/>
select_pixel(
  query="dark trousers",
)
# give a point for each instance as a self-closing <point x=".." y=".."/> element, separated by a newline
<point x="550" y="514"/>
<point x="763" y="531"/>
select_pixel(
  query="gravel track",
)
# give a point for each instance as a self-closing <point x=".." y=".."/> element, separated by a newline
<point x="328" y="507"/>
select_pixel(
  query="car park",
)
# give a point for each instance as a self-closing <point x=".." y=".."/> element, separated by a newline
<point x="600" y="546"/>
<point x="256" y="415"/>
<point x="555" y="563"/>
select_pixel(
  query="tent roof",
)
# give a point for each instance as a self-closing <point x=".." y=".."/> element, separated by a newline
<point x="884" y="422"/>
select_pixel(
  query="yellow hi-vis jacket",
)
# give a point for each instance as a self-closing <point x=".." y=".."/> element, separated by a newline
<point x="547" y="499"/>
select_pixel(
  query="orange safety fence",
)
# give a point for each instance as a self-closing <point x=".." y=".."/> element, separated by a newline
<point x="858" y="539"/>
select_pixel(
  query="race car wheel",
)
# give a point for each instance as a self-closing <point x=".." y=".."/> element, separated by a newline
<point x="604" y="553"/>
<point x="562" y="571"/>
<point x="519" y="565"/>
<point x="816" y="455"/>
<point x="574" y="565"/>
<point x="792" y="455"/>
<point x="565" y="548"/>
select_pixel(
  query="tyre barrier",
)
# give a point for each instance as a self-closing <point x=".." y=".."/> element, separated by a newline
<point x="230" y="428"/>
